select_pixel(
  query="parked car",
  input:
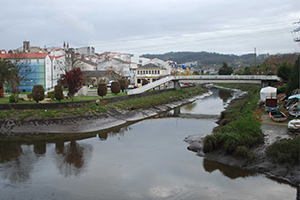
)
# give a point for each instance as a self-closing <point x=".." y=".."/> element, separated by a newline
<point x="130" y="87"/>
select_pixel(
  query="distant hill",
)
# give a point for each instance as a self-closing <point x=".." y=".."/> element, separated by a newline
<point x="207" y="59"/>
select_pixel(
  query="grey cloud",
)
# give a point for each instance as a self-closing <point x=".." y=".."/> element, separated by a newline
<point x="152" y="26"/>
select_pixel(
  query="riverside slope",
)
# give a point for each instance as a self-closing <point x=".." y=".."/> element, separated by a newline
<point x="262" y="164"/>
<point x="83" y="124"/>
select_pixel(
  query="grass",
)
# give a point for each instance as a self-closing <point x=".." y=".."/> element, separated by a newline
<point x="90" y="97"/>
<point x="155" y="100"/>
<point x="285" y="151"/>
<point x="238" y="131"/>
<point x="96" y="108"/>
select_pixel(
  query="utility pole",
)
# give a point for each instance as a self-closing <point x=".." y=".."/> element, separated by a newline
<point x="296" y="36"/>
<point x="254" y="56"/>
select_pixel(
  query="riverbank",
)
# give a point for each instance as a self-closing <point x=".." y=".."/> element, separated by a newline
<point x="259" y="161"/>
<point x="99" y="117"/>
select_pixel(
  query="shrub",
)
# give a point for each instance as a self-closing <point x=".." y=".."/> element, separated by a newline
<point x="29" y="96"/>
<point x="285" y="151"/>
<point x="123" y="84"/>
<point x="115" y="87"/>
<point x="281" y="89"/>
<point x="209" y="143"/>
<point x="58" y="92"/>
<point x="38" y="93"/>
<point x="102" y="89"/>
<point x="50" y="95"/>
<point x="12" y="99"/>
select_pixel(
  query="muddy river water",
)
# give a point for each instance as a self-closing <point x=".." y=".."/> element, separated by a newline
<point x="144" y="160"/>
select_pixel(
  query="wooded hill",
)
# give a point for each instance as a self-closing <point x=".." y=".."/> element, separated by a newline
<point x="207" y="59"/>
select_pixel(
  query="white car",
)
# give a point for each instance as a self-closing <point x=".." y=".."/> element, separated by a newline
<point x="130" y="86"/>
<point x="109" y="83"/>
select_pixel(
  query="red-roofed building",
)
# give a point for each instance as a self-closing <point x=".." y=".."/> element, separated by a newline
<point x="40" y="66"/>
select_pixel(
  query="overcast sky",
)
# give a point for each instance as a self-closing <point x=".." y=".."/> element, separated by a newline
<point x="153" y="26"/>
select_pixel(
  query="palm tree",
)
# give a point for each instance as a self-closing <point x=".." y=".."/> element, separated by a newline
<point x="7" y="75"/>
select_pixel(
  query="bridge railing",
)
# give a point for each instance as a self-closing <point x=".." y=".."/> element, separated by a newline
<point x="150" y="86"/>
<point x="227" y="77"/>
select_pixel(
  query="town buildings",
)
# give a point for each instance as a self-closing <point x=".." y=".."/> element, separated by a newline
<point x="45" y="66"/>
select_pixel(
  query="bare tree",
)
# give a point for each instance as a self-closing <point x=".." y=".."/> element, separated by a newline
<point x="114" y="72"/>
<point x="22" y="67"/>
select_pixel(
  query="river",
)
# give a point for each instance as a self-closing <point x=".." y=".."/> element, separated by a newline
<point x="144" y="160"/>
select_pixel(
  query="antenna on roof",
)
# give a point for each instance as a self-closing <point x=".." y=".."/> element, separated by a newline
<point x="296" y="32"/>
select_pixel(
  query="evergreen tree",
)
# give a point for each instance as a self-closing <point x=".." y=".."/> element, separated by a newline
<point x="58" y="92"/>
<point x="293" y="82"/>
<point x="284" y="71"/>
<point x="225" y="69"/>
<point x="102" y="89"/>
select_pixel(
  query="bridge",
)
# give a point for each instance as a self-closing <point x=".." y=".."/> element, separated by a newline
<point x="250" y="79"/>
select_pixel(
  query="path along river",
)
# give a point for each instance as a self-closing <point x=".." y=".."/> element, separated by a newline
<point x="144" y="160"/>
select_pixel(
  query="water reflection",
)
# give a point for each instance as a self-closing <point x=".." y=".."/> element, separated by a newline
<point x="72" y="159"/>
<point x="225" y="96"/>
<point x="190" y="106"/>
<point x="226" y="170"/>
<point x="17" y="162"/>
<point x="113" y="132"/>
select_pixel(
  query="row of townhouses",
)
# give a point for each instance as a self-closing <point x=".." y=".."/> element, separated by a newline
<point x="47" y="65"/>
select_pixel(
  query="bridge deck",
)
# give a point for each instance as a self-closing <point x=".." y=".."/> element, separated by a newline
<point x="206" y="79"/>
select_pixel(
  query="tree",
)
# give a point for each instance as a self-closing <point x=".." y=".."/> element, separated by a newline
<point x="102" y="89"/>
<point x="248" y="71"/>
<point x="293" y="82"/>
<point x="144" y="82"/>
<point x="38" y="93"/>
<point x="115" y="87"/>
<point x="22" y="67"/>
<point x="114" y="72"/>
<point x="284" y="71"/>
<point x="7" y="75"/>
<point x="73" y="80"/>
<point x="225" y="69"/>
<point x="123" y="84"/>
<point x="58" y="92"/>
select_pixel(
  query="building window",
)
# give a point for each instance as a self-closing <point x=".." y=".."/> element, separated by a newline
<point x="158" y="71"/>
<point x="138" y="72"/>
<point x="37" y="60"/>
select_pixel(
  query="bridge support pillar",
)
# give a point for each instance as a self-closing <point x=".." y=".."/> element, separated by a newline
<point x="265" y="84"/>
<point x="176" y="85"/>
